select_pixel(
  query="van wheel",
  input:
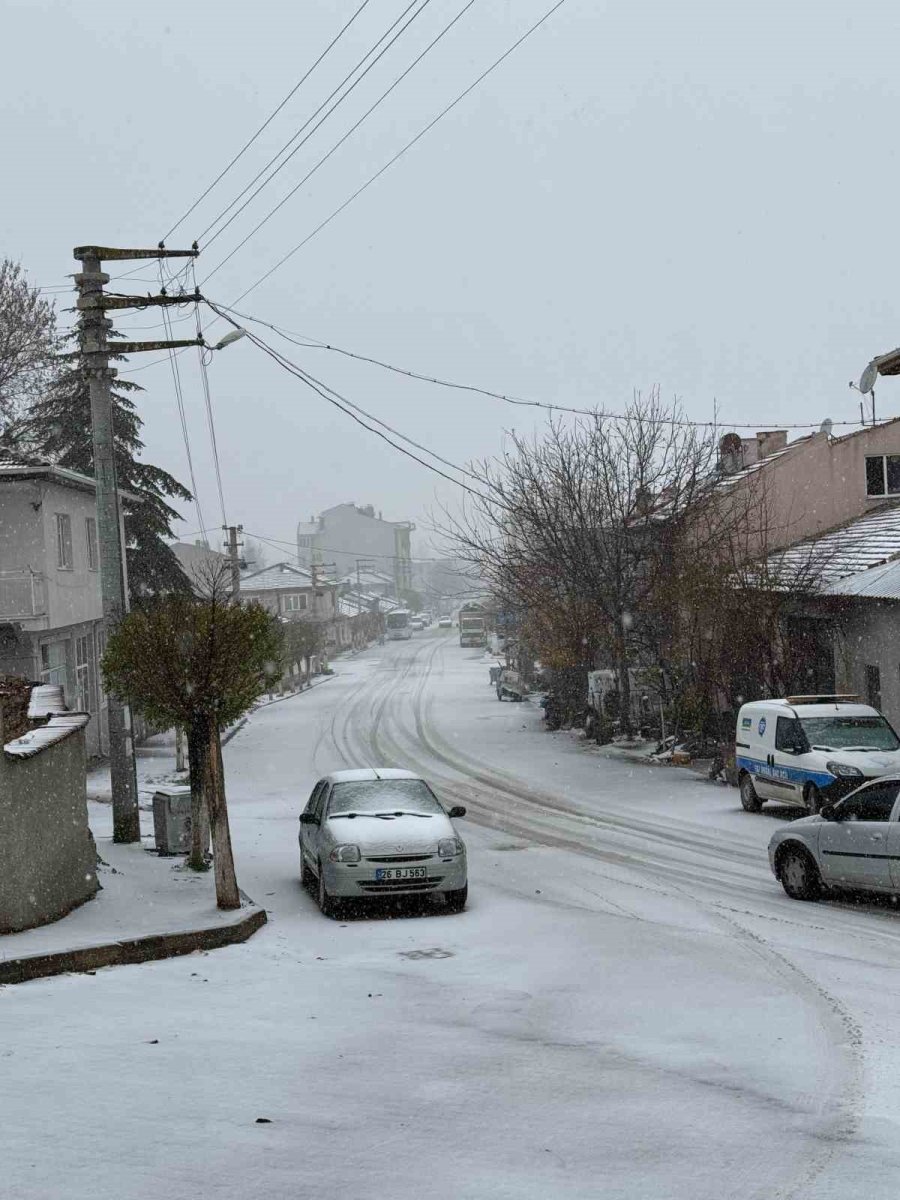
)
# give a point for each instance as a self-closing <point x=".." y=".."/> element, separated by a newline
<point x="813" y="798"/>
<point x="750" y="802"/>
<point x="799" y="874"/>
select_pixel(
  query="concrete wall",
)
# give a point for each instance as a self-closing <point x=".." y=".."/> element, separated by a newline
<point x="869" y="634"/>
<point x="820" y="483"/>
<point x="72" y="595"/>
<point x="49" y="861"/>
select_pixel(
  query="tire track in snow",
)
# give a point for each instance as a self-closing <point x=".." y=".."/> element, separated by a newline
<point x="837" y="1107"/>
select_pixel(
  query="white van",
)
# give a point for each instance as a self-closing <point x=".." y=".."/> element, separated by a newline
<point x="804" y="750"/>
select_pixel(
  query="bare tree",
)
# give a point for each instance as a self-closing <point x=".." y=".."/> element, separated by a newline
<point x="28" y="344"/>
<point x="577" y="527"/>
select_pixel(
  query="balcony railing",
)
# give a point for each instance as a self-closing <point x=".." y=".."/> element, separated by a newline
<point x="22" y="595"/>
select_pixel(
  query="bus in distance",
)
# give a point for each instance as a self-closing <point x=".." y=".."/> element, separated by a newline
<point x="398" y="626"/>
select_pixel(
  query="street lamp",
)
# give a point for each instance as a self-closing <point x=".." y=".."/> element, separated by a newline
<point x="234" y="336"/>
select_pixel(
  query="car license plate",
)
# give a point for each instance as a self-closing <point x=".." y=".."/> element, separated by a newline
<point x="394" y="873"/>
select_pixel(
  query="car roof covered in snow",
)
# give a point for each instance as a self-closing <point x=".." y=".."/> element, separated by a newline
<point x="808" y="708"/>
<point x="370" y="773"/>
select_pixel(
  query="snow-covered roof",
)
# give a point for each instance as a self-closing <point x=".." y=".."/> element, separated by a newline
<point x="56" y="729"/>
<point x="277" y="578"/>
<point x="15" y="467"/>
<point x="307" y="528"/>
<point x="878" y="583"/>
<point x="46" y="700"/>
<point x="855" y="547"/>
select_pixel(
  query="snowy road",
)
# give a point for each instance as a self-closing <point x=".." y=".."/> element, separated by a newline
<point x="630" y="1007"/>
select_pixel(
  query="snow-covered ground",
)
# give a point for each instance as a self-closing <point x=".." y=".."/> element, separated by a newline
<point x="630" y="1006"/>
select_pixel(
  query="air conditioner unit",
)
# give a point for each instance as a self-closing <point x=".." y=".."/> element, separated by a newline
<point x="172" y="820"/>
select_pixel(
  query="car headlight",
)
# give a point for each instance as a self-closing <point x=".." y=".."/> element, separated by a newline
<point x="844" y="770"/>
<point x="449" y="847"/>
<point x="347" y="853"/>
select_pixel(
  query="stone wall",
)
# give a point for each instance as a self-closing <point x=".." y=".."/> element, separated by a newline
<point x="48" y="861"/>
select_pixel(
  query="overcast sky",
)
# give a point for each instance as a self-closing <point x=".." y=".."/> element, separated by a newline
<point x="695" y="195"/>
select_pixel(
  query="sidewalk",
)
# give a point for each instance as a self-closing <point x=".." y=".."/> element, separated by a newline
<point x="149" y="908"/>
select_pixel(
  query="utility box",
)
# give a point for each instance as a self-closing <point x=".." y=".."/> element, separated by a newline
<point x="172" y="820"/>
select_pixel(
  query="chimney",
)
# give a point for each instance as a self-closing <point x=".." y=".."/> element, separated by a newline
<point x="770" y="441"/>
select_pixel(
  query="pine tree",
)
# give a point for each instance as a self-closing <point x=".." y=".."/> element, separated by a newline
<point x="58" y="427"/>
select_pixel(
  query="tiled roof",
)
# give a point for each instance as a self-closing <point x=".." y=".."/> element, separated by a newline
<point x="276" y="578"/>
<point x="861" y="544"/>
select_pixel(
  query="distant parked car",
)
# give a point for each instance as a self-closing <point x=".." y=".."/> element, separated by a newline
<point x="417" y="623"/>
<point x="853" y="844"/>
<point x="445" y="623"/>
<point x="380" y="832"/>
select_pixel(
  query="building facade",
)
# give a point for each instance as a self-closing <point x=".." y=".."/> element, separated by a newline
<point x="348" y="533"/>
<point x="51" y="612"/>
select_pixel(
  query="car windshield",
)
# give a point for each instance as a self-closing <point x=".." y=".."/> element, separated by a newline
<point x="383" y="796"/>
<point x="850" y="733"/>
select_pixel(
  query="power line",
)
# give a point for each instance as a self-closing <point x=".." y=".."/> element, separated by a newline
<point x="204" y="377"/>
<point x="309" y="120"/>
<point x="267" y="121"/>
<point x="309" y="343"/>
<point x="431" y="124"/>
<point x="332" y="398"/>
<point x="325" y="157"/>
<point x="340" y="549"/>
<point x="179" y="400"/>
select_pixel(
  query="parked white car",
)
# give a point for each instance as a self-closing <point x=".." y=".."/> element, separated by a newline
<point x="380" y="832"/>
<point x="853" y="844"/>
<point x="805" y="750"/>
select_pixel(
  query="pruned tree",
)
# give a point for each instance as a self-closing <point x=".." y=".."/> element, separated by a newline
<point x="302" y="640"/>
<point x="57" y="425"/>
<point x="198" y="661"/>
<point x="28" y="344"/>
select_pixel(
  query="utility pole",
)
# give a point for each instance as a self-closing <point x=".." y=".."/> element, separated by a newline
<point x="233" y="555"/>
<point x="95" y="352"/>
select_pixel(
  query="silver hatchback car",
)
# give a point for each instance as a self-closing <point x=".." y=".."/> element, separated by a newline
<point x="854" y="844"/>
<point x="380" y="832"/>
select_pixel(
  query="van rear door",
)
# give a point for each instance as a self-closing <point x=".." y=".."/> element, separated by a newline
<point x="754" y="743"/>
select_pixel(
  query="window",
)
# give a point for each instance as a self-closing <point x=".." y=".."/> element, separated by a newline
<point x="84" y="675"/>
<point x="64" y="558"/>
<point x="873" y="686"/>
<point x="53" y="665"/>
<point x="293" y="603"/>
<point x="883" y="475"/>
<point x="90" y="536"/>
<point x="789" y="734"/>
<point x="836" y="733"/>
<point x="873" y="804"/>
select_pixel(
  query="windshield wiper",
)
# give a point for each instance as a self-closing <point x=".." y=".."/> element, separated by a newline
<point x="828" y="749"/>
<point x="403" y="813"/>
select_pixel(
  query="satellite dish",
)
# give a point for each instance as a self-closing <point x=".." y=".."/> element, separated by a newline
<point x="825" y="427"/>
<point x="868" y="378"/>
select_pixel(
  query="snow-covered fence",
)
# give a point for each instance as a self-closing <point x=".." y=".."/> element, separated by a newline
<point x="48" y="861"/>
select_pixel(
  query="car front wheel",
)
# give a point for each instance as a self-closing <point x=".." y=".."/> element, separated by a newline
<point x="799" y="875"/>
<point x="327" y="903"/>
<point x="305" y="873"/>
<point x="456" y="901"/>
<point x="813" y="799"/>
<point x="749" y="799"/>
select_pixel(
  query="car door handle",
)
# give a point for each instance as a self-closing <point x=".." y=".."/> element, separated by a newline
<point x="876" y="837"/>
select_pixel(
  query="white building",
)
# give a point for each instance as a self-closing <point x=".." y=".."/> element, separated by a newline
<point x="50" y="603"/>
<point x="349" y="533"/>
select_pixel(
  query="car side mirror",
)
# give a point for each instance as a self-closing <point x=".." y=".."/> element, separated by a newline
<point x="828" y="812"/>
<point x="457" y="811"/>
<point x="308" y="818"/>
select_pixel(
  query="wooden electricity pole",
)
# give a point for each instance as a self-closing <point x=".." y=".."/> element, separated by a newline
<point x="95" y="353"/>
<point x="234" y="558"/>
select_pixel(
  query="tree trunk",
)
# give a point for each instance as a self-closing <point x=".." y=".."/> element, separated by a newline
<point x="198" y="759"/>
<point x="227" y="894"/>
<point x="624" y="684"/>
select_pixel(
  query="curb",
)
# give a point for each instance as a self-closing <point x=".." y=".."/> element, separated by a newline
<point x="292" y="695"/>
<point x="133" y="950"/>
